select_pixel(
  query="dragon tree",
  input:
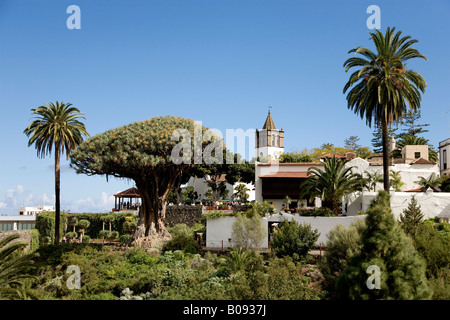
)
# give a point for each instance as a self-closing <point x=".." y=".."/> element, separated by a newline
<point x="153" y="153"/>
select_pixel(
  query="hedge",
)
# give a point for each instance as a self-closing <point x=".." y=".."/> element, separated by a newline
<point x="45" y="224"/>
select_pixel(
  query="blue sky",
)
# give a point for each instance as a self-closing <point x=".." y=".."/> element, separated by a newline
<point x="216" y="61"/>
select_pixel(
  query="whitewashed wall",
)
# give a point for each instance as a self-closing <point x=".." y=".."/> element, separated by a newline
<point x="432" y="204"/>
<point x="219" y="230"/>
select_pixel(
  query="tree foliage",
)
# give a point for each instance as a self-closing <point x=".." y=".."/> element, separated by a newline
<point x="382" y="88"/>
<point x="332" y="182"/>
<point x="411" y="217"/>
<point x="13" y="264"/>
<point x="293" y="239"/>
<point x="56" y="127"/>
<point x="248" y="232"/>
<point x="153" y="153"/>
<point x="387" y="247"/>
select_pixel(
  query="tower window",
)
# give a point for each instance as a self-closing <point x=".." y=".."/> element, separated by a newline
<point x="417" y="155"/>
<point x="273" y="140"/>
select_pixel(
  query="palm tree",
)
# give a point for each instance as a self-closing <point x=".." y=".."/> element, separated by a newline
<point x="241" y="192"/>
<point x="372" y="179"/>
<point x="56" y="126"/>
<point x="287" y="201"/>
<point x="433" y="182"/>
<point x="12" y="266"/>
<point x="383" y="86"/>
<point x="332" y="183"/>
<point x="396" y="180"/>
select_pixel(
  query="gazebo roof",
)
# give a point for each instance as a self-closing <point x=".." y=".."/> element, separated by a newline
<point x="132" y="192"/>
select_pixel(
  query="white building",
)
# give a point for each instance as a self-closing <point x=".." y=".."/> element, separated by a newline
<point x="32" y="211"/>
<point x="444" y="157"/>
<point x="13" y="223"/>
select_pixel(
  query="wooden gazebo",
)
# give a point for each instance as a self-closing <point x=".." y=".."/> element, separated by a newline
<point x="129" y="199"/>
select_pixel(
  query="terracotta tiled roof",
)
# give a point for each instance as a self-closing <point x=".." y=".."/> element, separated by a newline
<point x="132" y="192"/>
<point x="286" y="174"/>
<point x="422" y="161"/>
<point x="414" y="190"/>
<point x="293" y="164"/>
<point x="331" y="155"/>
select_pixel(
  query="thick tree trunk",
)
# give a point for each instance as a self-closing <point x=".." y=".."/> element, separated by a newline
<point x="57" y="193"/>
<point x="150" y="228"/>
<point x="386" y="153"/>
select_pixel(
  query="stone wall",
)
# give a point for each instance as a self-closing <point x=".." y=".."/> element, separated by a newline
<point x="25" y="235"/>
<point x="182" y="214"/>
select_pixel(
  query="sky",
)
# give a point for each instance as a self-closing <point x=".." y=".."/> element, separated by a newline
<point x="221" y="62"/>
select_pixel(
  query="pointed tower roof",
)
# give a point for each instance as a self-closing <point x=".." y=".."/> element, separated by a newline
<point x="269" y="125"/>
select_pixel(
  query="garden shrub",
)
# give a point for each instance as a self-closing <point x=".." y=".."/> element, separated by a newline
<point x="123" y="239"/>
<point x="343" y="243"/>
<point x="45" y="224"/>
<point x="182" y="239"/>
<point x="386" y="246"/>
<point x="34" y="244"/>
<point x="140" y="256"/>
<point x="316" y="212"/>
<point x="433" y="245"/>
<point x="293" y="239"/>
<point x="248" y="232"/>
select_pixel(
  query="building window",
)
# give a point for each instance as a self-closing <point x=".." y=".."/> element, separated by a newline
<point x="444" y="158"/>
<point x="273" y="140"/>
<point x="417" y="155"/>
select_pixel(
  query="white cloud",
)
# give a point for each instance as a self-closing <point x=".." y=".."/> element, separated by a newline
<point x="18" y="196"/>
<point x="103" y="203"/>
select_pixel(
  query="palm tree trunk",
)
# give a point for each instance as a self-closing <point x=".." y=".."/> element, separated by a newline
<point x="386" y="155"/>
<point x="57" y="192"/>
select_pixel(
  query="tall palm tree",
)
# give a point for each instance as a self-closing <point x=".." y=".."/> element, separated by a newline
<point x="332" y="183"/>
<point x="383" y="86"/>
<point x="56" y="126"/>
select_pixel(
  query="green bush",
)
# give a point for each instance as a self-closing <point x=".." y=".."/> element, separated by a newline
<point x="123" y="239"/>
<point x="104" y="234"/>
<point x="432" y="243"/>
<point x="188" y="245"/>
<point x="386" y="246"/>
<point x="140" y="256"/>
<point x="293" y="239"/>
<point x="343" y="243"/>
<point x="316" y="212"/>
<point x="71" y="235"/>
<point x="45" y="224"/>
<point x="34" y="244"/>
<point x="182" y="239"/>
<point x="248" y="232"/>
